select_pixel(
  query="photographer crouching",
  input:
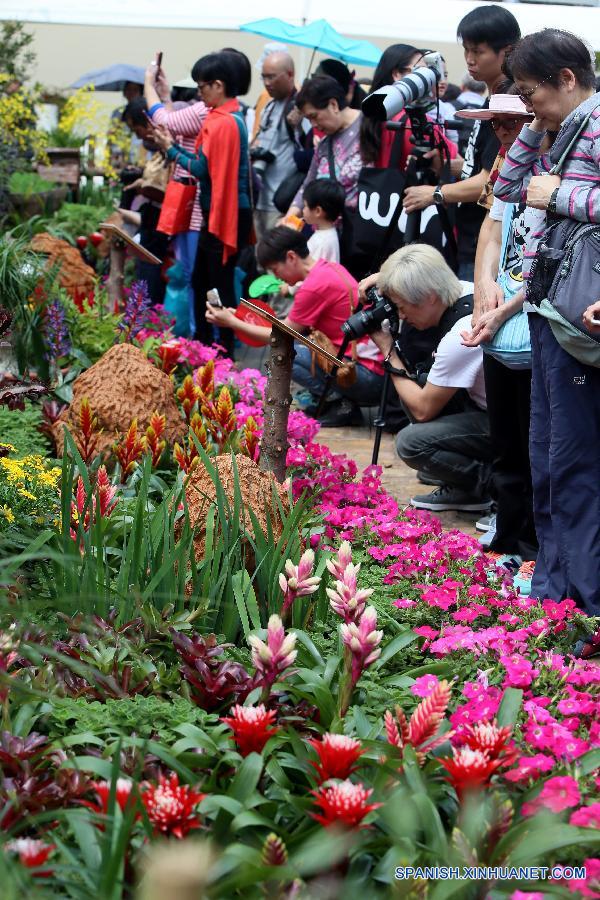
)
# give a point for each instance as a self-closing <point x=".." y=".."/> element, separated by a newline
<point x="448" y="441"/>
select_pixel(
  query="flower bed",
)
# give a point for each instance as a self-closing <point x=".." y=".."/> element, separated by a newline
<point x="326" y="709"/>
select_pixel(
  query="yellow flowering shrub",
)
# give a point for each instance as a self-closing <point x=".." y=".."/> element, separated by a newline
<point x="18" y="121"/>
<point x="29" y="490"/>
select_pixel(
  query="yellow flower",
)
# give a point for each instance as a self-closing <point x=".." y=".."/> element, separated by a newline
<point x="8" y="447"/>
<point x="27" y="494"/>
<point x="8" y="514"/>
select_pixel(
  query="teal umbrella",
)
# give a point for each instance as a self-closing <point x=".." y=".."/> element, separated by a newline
<point x="319" y="35"/>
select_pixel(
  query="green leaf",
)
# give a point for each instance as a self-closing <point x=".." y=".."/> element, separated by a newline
<point x="545" y="837"/>
<point x="247" y="777"/>
<point x="395" y="646"/>
<point x="508" y="711"/>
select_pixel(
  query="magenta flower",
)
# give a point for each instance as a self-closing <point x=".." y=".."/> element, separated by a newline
<point x="587" y="817"/>
<point x="558" y="793"/>
<point x="272" y="658"/>
<point x="300" y="581"/>
<point x="526" y="895"/>
<point x="590" y="885"/>
<point x="424" y="685"/>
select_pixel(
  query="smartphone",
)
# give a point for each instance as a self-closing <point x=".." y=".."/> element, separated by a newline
<point x="213" y="299"/>
<point x="159" y="56"/>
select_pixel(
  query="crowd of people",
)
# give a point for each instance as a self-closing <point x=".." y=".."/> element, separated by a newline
<point x="492" y="346"/>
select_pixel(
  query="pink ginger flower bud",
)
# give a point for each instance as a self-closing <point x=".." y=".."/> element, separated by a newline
<point x="362" y="640"/>
<point x="299" y="582"/>
<point x="272" y="658"/>
<point x="346" y="599"/>
<point x="343" y="558"/>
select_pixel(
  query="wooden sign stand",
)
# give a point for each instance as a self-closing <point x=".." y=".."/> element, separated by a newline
<point x="120" y="241"/>
<point x="276" y="405"/>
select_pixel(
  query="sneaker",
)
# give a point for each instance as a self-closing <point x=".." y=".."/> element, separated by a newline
<point x="505" y="561"/>
<point x="522" y="580"/>
<point x="446" y="497"/>
<point x="344" y="413"/>
<point x="486" y="540"/>
<point x="305" y="400"/>
<point x="486" y="522"/>
<point x="425" y="478"/>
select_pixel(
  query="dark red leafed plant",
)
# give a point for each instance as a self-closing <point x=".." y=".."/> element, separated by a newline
<point x="213" y="681"/>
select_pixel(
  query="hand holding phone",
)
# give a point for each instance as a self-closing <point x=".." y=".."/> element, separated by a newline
<point x="213" y="299"/>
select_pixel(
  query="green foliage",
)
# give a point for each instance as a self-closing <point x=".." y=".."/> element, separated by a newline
<point x="75" y="219"/>
<point x="20" y="428"/>
<point x="28" y="183"/>
<point x="16" y="55"/>
<point x="145" y="717"/>
<point x="93" y="331"/>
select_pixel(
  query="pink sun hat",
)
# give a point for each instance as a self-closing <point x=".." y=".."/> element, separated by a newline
<point x="500" y="105"/>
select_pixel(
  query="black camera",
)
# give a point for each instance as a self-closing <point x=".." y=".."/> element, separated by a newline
<point x="261" y="158"/>
<point x="370" y="318"/>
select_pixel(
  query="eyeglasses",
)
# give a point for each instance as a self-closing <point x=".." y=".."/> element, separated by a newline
<point x="203" y="84"/>
<point x="527" y="95"/>
<point x="507" y="124"/>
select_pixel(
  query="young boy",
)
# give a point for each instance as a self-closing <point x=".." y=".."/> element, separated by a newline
<point x="323" y="205"/>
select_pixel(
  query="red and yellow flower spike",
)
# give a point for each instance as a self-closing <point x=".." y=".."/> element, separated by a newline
<point x="186" y="459"/>
<point x="129" y="450"/>
<point x="153" y="439"/>
<point x="220" y="418"/>
<point x="249" y="444"/>
<point x="88" y="430"/>
<point x="205" y="380"/>
<point x="188" y="395"/>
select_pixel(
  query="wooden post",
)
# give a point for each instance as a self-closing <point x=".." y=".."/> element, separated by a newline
<point x="276" y="406"/>
<point x="116" y="275"/>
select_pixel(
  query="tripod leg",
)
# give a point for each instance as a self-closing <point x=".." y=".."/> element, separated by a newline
<point x="380" y="420"/>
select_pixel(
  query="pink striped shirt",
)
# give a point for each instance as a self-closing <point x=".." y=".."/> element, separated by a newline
<point x="185" y="125"/>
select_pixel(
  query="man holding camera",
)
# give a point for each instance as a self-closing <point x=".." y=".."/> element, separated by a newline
<point x="272" y="151"/>
<point x="449" y="439"/>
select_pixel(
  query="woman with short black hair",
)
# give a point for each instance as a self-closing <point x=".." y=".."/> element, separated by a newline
<point x="554" y="73"/>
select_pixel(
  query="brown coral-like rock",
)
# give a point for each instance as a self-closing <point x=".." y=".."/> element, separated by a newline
<point x="75" y="276"/>
<point x="123" y="385"/>
<point x="257" y="494"/>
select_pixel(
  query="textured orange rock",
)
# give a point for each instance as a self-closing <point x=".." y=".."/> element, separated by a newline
<point x="121" y="386"/>
<point x="73" y="274"/>
<point x="257" y="494"/>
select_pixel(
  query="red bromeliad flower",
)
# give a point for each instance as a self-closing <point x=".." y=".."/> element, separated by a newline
<point x="101" y="505"/>
<point x="250" y="725"/>
<point x="469" y="769"/>
<point x="420" y="732"/>
<point x="337" y="756"/>
<point x="171" y="807"/>
<point x="153" y="439"/>
<point x="128" y="451"/>
<point x="343" y="804"/>
<point x="32" y="854"/>
<point x="490" y="737"/>
<point x="122" y="796"/>
<point x="168" y="355"/>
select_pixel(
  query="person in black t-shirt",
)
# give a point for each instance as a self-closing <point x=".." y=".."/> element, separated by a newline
<point x="487" y="33"/>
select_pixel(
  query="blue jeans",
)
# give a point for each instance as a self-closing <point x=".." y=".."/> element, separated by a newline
<point x="186" y="245"/>
<point x="565" y="471"/>
<point x="466" y="271"/>
<point x="366" y="390"/>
